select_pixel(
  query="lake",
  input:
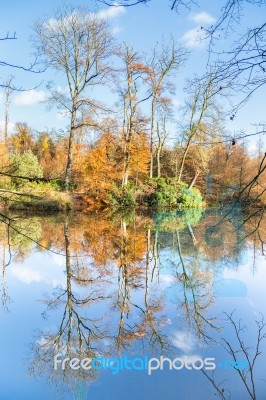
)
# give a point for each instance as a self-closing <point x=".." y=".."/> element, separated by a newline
<point x="159" y="304"/>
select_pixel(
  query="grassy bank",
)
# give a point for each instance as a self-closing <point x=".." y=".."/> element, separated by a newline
<point x="35" y="200"/>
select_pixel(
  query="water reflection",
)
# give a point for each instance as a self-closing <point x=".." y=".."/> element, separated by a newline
<point x="135" y="284"/>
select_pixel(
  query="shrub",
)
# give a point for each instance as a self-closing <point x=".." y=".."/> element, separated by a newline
<point x="26" y="165"/>
<point x="168" y="192"/>
<point x="123" y="197"/>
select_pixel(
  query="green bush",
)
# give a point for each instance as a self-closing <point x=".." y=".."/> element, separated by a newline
<point x="26" y="165"/>
<point x="157" y="192"/>
<point x="123" y="197"/>
<point x="168" y="192"/>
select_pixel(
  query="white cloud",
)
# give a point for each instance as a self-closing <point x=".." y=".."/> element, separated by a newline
<point x="202" y="18"/>
<point x="194" y="38"/>
<point x="49" y="273"/>
<point x="107" y="13"/>
<point x="27" y="275"/>
<point x="30" y="97"/>
<point x="112" y="12"/>
<point x="184" y="341"/>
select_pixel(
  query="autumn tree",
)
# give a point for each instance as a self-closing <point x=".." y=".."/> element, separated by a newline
<point x="230" y="169"/>
<point x="140" y="158"/>
<point x="78" y="44"/>
<point x="103" y="163"/>
<point x="133" y="93"/>
<point x="4" y="165"/>
<point x="22" y="140"/>
<point x="52" y="154"/>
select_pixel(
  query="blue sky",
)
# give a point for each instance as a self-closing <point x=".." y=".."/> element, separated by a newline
<point x="141" y="26"/>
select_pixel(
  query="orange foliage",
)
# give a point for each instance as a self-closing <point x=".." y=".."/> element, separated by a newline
<point x="102" y="163"/>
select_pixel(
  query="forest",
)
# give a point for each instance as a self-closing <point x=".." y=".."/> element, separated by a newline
<point x="143" y="149"/>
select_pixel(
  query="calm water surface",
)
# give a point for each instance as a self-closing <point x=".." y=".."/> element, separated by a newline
<point x="187" y="285"/>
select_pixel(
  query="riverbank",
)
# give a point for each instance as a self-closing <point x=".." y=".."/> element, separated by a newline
<point x="155" y="194"/>
<point x="160" y="192"/>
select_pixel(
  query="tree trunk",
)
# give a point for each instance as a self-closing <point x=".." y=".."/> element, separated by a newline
<point x="6" y="125"/>
<point x="70" y="152"/>
<point x="126" y="164"/>
<point x="184" y="158"/>
<point x="158" y="163"/>
<point x="194" y="179"/>
<point x="158" y="154"/>
<point x="151" y="138"/>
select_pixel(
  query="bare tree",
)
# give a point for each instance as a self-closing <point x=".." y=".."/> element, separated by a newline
<point x="163" y="64"/>
<point x="77" y="43"/>
<point x="246" y="367"/>
<point x="242" y="63"/>
<point x="203" y="114"/>
<point x="164" y="108"/>
<point x="249" y="378"/>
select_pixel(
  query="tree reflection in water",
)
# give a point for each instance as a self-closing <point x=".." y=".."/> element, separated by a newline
<point x="113" y="299"/>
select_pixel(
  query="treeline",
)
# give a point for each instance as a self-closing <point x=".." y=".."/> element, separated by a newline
<point x="218" y="173"/>
<point x="144" y="151"/>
